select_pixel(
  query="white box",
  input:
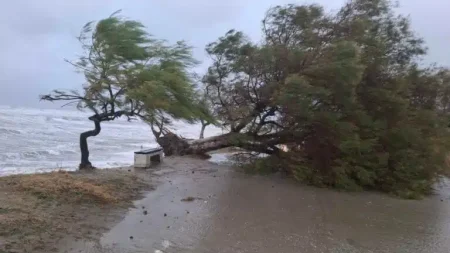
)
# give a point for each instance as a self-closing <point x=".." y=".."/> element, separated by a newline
<point x="145" y="158"/>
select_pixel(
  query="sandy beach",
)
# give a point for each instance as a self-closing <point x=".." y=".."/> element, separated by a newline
<point x="192" y="205"/>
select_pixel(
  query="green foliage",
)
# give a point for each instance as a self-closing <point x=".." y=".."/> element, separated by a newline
<point x="128" y="72"/>
<point x="344" y="92"/>
<point x="261" y="165"/>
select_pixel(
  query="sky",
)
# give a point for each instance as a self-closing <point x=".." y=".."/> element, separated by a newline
<point x="36" y="36"/>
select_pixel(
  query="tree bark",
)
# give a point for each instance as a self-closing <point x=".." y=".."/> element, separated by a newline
<point x="205" y="145"/>
<point x="174" y="145"/>
<point x="202" y="131"/>
<point x="85" y="163"/>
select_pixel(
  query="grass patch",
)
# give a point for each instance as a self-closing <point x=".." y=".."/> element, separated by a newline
<point x="62" y="185"/>
<point x="5" y="210"/>
<point x="65" y="186"/>
<point x="37" y="210"/>
<point x="17" y="222"/>
<point x="76" y="187"/>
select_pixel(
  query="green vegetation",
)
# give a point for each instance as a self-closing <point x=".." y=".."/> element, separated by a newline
<point x="336" y="100"/>
<point x="345" y="92"/>
<point x="130" y="73"/>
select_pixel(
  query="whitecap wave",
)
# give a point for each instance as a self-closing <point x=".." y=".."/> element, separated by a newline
<point x="9" y="131"/>
<point x="40" y="140"/>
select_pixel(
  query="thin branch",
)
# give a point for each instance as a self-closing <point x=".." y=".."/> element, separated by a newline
<point x="69" y="103"/>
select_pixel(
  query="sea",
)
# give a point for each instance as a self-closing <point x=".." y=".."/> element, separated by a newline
<point x="42" y="140"/>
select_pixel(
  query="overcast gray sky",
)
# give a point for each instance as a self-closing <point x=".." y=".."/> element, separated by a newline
<point x="36" y="36"/>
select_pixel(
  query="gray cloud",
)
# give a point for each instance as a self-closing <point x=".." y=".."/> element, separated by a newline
<point x="37" y="35"/>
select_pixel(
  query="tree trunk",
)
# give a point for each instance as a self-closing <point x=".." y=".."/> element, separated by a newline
<point x="85" y="163"/>
<point x="206" y="145"/>
<point x="172" y="144"/>
<point x="175" y="145"/>
<point x="268" y="143"/>
<point x="202" y="131"/>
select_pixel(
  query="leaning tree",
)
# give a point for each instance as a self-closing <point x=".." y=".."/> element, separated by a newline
<point x="129" y="73"/>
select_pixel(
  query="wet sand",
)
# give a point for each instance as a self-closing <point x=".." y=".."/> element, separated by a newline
<point x="234" y="212"/>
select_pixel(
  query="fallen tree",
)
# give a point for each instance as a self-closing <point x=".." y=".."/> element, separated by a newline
<point x="344" y="92"/>
<point x="176" y="145"/>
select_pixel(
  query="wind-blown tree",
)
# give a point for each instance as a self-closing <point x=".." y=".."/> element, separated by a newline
<point x="344" y="92"/>
<point x="128" y="73"/>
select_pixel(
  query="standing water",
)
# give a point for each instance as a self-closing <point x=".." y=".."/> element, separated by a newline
<point x="39" y="140"/>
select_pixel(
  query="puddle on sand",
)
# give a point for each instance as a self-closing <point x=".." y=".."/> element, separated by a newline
<point x="233" y="212"/>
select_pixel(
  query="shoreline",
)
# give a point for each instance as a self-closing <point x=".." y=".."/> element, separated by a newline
<point x="201" y="207"/>
<point x="191" y="205"/>
<point x="217" y="156"/>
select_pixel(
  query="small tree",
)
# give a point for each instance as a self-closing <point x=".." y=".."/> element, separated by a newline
<point x="128" y="73"/>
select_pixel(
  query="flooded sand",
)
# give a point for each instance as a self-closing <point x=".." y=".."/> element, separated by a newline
<point x="200" y="207"/>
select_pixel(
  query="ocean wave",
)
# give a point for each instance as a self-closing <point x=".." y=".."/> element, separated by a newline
<point x="9" y="131"/>
<point x="9" y="156"/>
<point x="39" y="153"/>
<point x="66" y="119"/>
<point x="33" y="139"/>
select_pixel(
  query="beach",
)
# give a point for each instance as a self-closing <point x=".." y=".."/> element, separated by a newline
<point x="192" y="205"/>
<point x="307" y="128"/>
<point x="38" y="210"/>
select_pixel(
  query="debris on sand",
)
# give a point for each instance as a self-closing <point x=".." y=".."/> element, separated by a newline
<point x="190" y="199"/>
<point x="145" y="212"/>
